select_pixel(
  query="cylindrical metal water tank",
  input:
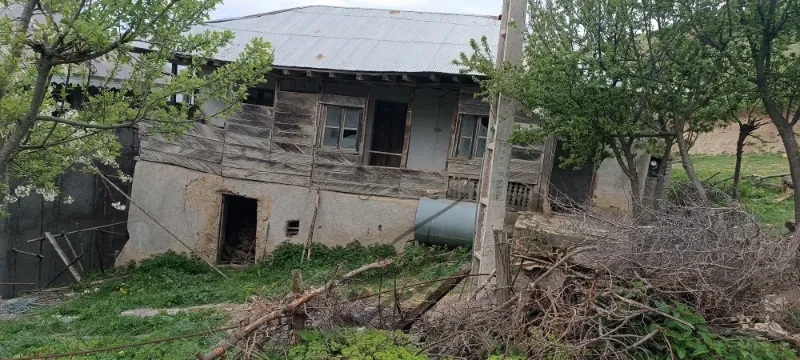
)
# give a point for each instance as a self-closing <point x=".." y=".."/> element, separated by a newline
<point x="445" y="222"/>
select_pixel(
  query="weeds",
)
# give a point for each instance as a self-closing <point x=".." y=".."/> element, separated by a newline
<point x="91" y="319"/>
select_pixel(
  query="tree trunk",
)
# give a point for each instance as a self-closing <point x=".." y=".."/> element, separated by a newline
<point x="24" y="125"/>
<point x="661" y="181"/>
<point x="686" y="161"/>
<point x="744" y="132"/>
<point x="793" y="154"/>
<point x="627" y="162"/>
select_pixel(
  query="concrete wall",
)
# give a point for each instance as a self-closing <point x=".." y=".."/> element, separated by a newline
<point x="612" y="188"/>
<point x="188" y="203"/>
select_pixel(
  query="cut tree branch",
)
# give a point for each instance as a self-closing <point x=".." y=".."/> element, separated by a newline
<point x="238" y="335"/>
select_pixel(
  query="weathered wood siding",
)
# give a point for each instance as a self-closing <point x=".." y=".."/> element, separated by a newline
<point x="277" y="145"/>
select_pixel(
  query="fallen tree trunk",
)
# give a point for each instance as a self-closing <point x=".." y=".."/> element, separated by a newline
<point x="237" y="335"/>
<point x="412" y="316"/>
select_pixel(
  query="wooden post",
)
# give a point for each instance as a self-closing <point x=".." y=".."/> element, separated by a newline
<point x="494" y="177"/>
<point x="75" y="254"/>
<point x="502" y="254"/>
<point x="545" y="174"/>
<point x="298" y="317"/>
<point x="407" y="137"/>
<point x="63" y="256"/>
<point x="310" y="241"/>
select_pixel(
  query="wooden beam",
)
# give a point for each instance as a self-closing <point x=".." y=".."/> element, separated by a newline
<point x="456" y="79"/>
<point x="332" y="75"/>
<point x="286" y="72"/>
<point x="363" y="128"/>
<point x="545" y="172"/>
<point x="387" y="77"/>
<point x="309" y="73"/>
<point x="407" y="140"/>
<point x="434" y="78"/>
<point x="360" y="77"/>
<point x="70" y="264"/>
<point x="408" y="78"/>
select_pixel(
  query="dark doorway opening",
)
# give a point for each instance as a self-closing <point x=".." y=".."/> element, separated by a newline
<point x="570" y="187"/>
<point x="238" y="230"/>
<point x="388" y="133"/>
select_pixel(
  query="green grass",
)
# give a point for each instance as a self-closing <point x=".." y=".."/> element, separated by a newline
<point x="91" y="319"/>
<point x="757" y="197"/>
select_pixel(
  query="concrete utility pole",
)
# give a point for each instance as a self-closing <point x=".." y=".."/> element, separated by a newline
<point x="494" y="178"/>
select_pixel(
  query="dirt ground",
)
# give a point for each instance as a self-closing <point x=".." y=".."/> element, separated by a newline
<point x="723" y="141"/>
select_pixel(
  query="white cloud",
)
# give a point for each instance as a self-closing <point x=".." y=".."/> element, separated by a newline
<point x="232" y="8"/>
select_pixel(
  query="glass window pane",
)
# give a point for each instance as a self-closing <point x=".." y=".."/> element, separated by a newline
<point x="349" y="139"/>
<point x="480" y="149"/>
<point x="330" y="137"/>
<point x="468" y="126"/>
<point x="332" y="116"/>
<point x="483" y="130"/>
<point x="351" y="118"/>
<point x="464" y="147"/>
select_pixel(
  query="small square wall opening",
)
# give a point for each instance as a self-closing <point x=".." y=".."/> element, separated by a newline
<point x="238" y="230"/>
<point x="292" y="228"/>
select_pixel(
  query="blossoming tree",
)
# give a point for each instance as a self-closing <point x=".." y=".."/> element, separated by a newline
<point x="113" y="55"/>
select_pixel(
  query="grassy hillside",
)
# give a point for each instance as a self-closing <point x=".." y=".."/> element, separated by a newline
<point x="757" y="196"/>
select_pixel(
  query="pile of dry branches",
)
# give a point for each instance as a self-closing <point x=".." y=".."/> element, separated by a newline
<point x="592" y="297"/>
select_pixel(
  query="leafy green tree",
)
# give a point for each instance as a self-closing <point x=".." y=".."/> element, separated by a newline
<point x="759" y="40"/>
<point x="610" y="77"/>
<point x="114" y="55"/>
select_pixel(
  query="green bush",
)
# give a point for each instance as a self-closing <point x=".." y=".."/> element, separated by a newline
<point x="700" y="343"/>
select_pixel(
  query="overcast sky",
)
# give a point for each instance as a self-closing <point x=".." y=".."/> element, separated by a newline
<point x="232" y="8"/>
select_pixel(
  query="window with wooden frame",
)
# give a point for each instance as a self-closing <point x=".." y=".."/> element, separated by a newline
<point x="472" y="137"/>
<point x="341" y="128"/>
<point x="180" y="98"/>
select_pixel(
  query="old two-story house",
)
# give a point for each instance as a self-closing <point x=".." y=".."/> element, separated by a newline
<point x="363" y="115"/>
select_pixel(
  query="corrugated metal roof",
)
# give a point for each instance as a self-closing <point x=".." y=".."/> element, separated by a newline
<point x="359" y="40"/>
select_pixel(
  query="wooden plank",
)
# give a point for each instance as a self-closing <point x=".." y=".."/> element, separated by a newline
<point x="339" y="100"/>
<point x="465" y="166"/>
<point x="358" y="174"/>
<point x="296" y="103"/>
<point x="292" y="148"/>
<point x="291" y="158"/>
<point x="468" y="104"/>
<point x="184" y="162"/>
<point x="254" y="115"/>
<point x="336" y="158"/>
<point x="293" y="138"/>
<point x="247" y="163"/>
<point x="474" y="109"/>
<point x="258" y="153"/>
<point x="356" y="188"/>
<point x="245" y="140"/>
<point x="175" y="149"/>
<point x="206" y="132"/>
<point x="256" y="132"/>
<point x="289" y="117"/>
<point x="522" y="171"/>
<point x="188" y="141"/>
<point x="415" y="184"/>
<point x="264" y="176"/>
<point x="294" y="128"/>
<point x="70" y="264"/>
